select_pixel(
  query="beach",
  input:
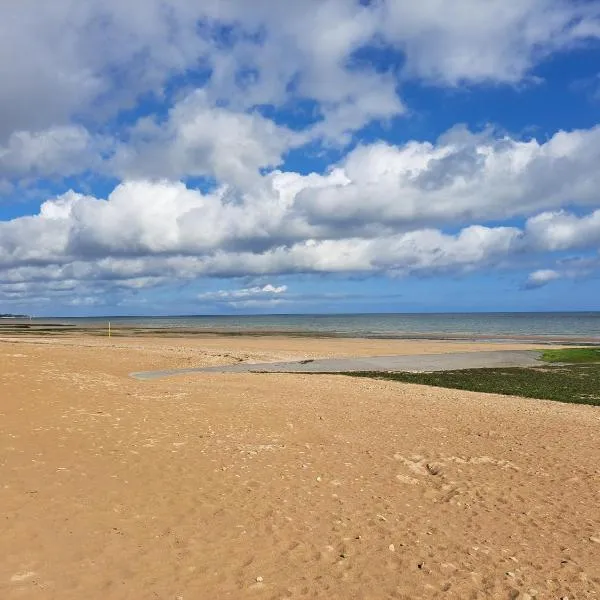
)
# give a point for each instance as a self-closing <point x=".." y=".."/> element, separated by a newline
<point x="272" y="485"/>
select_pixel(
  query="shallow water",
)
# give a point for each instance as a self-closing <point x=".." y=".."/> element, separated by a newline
<point x="563" y="324"/>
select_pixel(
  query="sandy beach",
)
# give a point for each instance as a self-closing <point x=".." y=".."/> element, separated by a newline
<point x="269" y="486"/>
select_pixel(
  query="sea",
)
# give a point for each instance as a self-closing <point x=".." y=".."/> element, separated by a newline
<point x="494" y="325"/>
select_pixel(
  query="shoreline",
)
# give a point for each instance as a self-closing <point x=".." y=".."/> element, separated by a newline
<point x="63" y="330"/>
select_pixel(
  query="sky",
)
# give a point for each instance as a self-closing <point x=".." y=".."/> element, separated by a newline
<point x="233" y="157"/>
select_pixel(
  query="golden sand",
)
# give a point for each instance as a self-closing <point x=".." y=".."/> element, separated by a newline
<point x="284" y="486"/>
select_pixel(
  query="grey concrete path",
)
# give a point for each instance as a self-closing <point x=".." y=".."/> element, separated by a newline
<point x="412" y="363"/>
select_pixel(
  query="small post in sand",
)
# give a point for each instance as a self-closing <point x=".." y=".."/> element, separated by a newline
<point x="109" y="329"/>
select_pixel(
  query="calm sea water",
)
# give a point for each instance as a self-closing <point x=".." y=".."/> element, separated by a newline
<point x="563" y="324"/>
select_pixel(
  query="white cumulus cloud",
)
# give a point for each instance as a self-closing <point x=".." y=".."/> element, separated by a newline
<point x="541" y="278"/>
<point x="94" y="60"/>
<point x="200" y="140"/>
<point x="382" y="209"/>
<point x="263" y="291"/>
<point x="495" y="40"/>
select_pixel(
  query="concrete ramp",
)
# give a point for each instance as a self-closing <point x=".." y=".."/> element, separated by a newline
<point x="420" y="363"/>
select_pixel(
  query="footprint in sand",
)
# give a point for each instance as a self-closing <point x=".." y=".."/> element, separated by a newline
<point x="18" y="577"/>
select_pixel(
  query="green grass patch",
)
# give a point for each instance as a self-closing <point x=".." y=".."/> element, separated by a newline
<point x="572" y="355"/>
<point x="578" y="384"/>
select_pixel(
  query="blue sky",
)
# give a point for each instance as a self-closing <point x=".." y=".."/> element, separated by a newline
<point x="161" y="157"/>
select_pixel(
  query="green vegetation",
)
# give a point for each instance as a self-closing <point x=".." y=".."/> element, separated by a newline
<point x="572" y="355"/>
<point x="568" y="383"/>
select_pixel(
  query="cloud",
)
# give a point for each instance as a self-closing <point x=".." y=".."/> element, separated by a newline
<point x="200" y="140"/>
<point x="256" y="297"/>
<point x="133" y="257"/>
<point x="383" y="209"/>
<point x="561" y="230"/>
<point x="195" y="140"/>
<point x="264" y="291"/>
<point x="76" y="59"/>
<point x="158" y="93"/>
<point x="540" y="278"/>
<point x="98" y="58"/>
<point x="318" y="39"/>
<point x="81" y="67"/>
<point x="463" y="177"/>
<point x="492" y="41"/>
<point x="84" y="301"/>
<point x="257" y="234"/>
<point x="59" y="151"/>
